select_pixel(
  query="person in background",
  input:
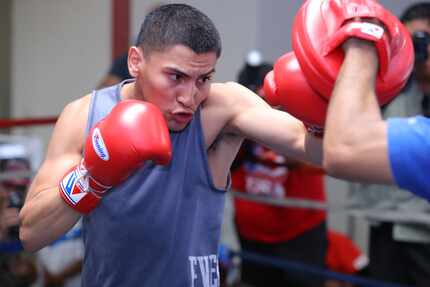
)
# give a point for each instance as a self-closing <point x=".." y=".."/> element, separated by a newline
<point x="344" y="256"/>
<point x="117" y="73"/>
<point x="118" y="70"/>
<point x="17" y="269"/>
<point x="61" y="261"/>
<point x="417" y="20"/>
<point x="291" y="233"/>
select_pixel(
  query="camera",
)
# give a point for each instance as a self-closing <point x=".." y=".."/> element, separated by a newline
<point x="421" y="40"/>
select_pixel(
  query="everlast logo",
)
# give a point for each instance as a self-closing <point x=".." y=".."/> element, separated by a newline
<point x="204" y="271"/>
<point x="99" y="145"/>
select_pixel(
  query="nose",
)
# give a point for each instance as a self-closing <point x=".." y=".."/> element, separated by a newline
<point x="187" y="96"/>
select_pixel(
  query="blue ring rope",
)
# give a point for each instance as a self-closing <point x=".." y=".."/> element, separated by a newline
<point x="309" y="269"/>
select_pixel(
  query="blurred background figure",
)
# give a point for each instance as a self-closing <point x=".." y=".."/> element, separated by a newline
<point x="344" y="256"/>
<point x="61" y="262"/>
<point x="417" y="21"/>
<point x="14" y="191"/>
<point x="117" y="73"/>
<point x="399" y="252"/>
<point x="17" y="269"/>
<point x="296" y="234"/>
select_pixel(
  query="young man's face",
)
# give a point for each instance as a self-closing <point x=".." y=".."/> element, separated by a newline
<point x="423" y="69"/>
<point x="177" y="80"/>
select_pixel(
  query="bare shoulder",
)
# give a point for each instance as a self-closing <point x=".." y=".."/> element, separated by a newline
<point x="79" y="104"/>
<point x="228" y="95"/>
<point x="228" y="99"/>
<point x="69" y="131"/>
<point x="220" y="107"/>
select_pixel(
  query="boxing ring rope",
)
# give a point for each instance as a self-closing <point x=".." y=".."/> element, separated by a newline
<point x="351" y="209"/>
<point x="15" y="174"/>
<point x="312" y="270"/>
<point x="23" y="122"/>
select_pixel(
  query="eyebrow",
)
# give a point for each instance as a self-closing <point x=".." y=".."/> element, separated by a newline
<point x="182" y="73"/>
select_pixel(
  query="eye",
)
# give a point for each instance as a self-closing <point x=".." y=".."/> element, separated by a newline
<point x="205" y="79"/>
<point x="175" y="77"/>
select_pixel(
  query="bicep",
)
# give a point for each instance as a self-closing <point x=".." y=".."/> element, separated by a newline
<point x="254" y="119"/>
<point x="64" y="149"/>
<point x="359" y="154"/>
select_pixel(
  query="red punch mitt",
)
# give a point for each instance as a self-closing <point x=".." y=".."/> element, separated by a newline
<point x="320" y="28"/>
<point x="287" y="87"/>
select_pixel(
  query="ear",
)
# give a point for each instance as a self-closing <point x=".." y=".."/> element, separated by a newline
<point x="135" y="60"/>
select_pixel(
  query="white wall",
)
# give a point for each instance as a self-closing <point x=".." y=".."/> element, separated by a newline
<point x="60" y="49"/>
<point x="276" y="18"/>
<point x="274" y="31"/>
<point x="237" y="22"/>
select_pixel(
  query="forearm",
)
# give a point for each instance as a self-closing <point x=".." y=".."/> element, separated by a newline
<point x="289" y="138"/>
<point x="355" y="144"/>
<point x="45" y="217"/>
<point x="353" y="102"/>
<point x="297" y="144"/>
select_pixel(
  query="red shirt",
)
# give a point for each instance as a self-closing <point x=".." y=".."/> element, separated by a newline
<point x="272" y="224"/>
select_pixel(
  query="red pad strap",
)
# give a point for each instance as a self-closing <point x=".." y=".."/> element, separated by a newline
<point x="316" y="131"/>
<point x="366" y="31"/>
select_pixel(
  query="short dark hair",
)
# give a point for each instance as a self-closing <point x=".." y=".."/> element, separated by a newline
<point x="418" y="11"/>
<point x="173" y="24"/>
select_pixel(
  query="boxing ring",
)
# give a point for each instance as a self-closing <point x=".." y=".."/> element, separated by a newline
<point x="30" y="147"/>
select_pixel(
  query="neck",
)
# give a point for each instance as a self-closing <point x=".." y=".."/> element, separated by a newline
<point x="131" y="91"/>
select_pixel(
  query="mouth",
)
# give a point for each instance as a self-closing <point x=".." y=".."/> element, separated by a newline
<point x="182" y="118"/>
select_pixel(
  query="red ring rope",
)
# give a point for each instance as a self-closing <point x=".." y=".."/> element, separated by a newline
<point x="20" y="122"/>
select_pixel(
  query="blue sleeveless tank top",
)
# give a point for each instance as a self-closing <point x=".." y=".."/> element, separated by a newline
<point x="161" y="226"/>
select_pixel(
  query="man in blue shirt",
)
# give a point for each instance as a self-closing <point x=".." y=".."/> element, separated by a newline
<point x="409" y="153"/>
<point x="359" y="145"/>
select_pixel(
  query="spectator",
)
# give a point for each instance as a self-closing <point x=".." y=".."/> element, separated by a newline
<point x="344" y="256"/>
<point x="292" y="233"/>
<point x="61" y="262"/>
<point x="16" y="269"/>
<point x="118" y="72"/>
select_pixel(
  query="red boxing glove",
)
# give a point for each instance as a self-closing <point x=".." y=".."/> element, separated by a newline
<point x="286" y="86"/>
<point x="134" y="131"/>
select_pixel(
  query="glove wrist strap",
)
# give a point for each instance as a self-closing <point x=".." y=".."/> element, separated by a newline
<point x="80" y="191"/>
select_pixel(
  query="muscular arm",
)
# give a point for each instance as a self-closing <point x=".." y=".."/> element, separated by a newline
<point x="252" y="118"/>
<point x="45" y="216"/>
<point x="355" y="142"/>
